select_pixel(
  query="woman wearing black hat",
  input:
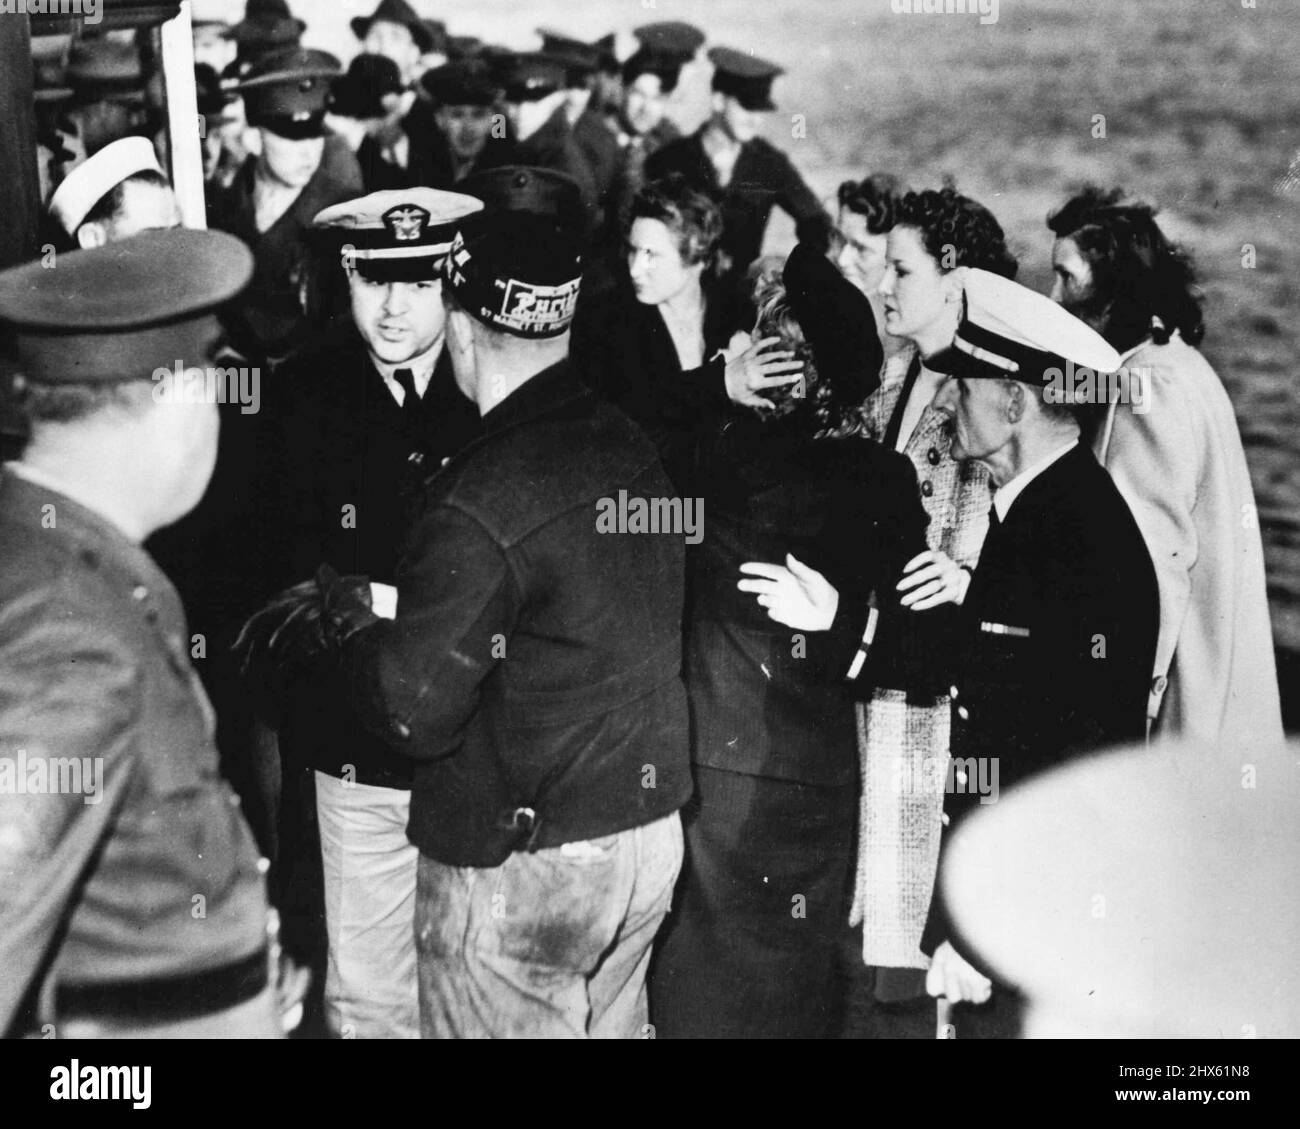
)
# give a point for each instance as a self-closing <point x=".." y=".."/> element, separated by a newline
<point x="749" y="949"/>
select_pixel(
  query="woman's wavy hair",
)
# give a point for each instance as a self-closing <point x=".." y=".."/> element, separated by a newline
<point x="1144" y="284"/>
<point x="875" y="198"/>
<point x="692" y="217"/>
<point x="957" y="231"/>
<point x="827" y="415"/>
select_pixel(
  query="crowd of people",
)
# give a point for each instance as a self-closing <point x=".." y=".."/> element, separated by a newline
<point x="505" y="764"/>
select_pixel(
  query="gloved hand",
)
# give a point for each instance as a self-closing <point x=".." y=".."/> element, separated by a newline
<point x="345" y="606"/>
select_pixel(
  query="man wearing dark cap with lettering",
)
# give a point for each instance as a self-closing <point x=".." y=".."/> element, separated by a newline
<point x="533" y="669"/>
<point x="375" y="410"/>
<point x="746" y="174"/>
<point x="469" y="128"/>
<point x="276" y="194"/>
<point x="132" y="898"/>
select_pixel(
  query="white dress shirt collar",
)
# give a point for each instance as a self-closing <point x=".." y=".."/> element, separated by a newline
<point x="1004" y="496"/>
<point x="421" y="371"/>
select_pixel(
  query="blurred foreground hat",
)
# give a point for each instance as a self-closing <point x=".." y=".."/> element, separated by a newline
<point x="465" y="82"/>
<point x="532" y="76"/>
<point x="402" y="235"/>
<point x="97" y="176"/>
<point x="395" y="12"/>
<point x="120" y="311"/>
<point x="746" y="78"/>
<point x="360" y="93"/>
<point x="836" y="320"/>
<point x="671" y="39"/>
<point x="287" y="91"/>
<point x="267" y="24"/>
<point x="1010" y="331"/>
<point x="517" y="266"/>
<point x="1149" y="892"/>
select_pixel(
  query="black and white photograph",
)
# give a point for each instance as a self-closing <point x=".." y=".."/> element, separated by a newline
<point x="645" y="520"/>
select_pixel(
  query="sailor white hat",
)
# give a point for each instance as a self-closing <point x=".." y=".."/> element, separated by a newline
<point x="1010" y="331"/>
<point x="96" y="176"/>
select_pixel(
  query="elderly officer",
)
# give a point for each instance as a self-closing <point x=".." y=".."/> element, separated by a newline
<point x="1059" y="622"/>
<point x="533" y="669"/>
<point x="374" y="410"/>
<point x="747" y="174"/>
<point x="132" y="900"/>
<point x="120" y="191"/>
<point x="273" y="198"/>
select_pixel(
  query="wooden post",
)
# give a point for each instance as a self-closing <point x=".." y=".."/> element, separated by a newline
<point x="20" y="204"/>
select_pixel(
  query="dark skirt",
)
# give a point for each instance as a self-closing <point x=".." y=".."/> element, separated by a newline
<point x="748" y="950"/>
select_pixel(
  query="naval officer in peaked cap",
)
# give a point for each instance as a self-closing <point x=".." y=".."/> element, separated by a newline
<point x="1058" y="624"/>
<point x="372" y="410"/>
<point x="132" y="898"/>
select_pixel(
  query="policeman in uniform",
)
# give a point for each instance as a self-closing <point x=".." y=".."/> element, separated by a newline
<point x="275" y="195"/>
<point x="746" y="174"/>
<point x="541" y="136"/>
<point x="598" y="147"/>
<point x="132" y="899"/>
<point x="467" y="137"/>
<point x="374" y="410"/>
<point x="1058" y="625"/>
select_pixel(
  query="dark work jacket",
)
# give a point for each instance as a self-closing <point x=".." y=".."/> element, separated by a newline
<point x="763" y="177"/>
<point x="622" y="349"/>
<point x="268" y="319"/>
<point x="535" y="660"/>
<point x="95" y="664"/>
<point x="346" y="443"/>
<point x="442" y="168"/>
<point x="1069" y="573"/>
<point x="767" y="700"/>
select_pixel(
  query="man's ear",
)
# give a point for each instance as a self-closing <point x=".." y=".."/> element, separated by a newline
<point x="1015" y="401"/>
<point x="91" y="235"/>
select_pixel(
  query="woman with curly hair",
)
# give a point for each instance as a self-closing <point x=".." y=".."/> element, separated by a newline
<point x="751" y="943"/>
<point x="904" y="737"/>
<point x="1169" y="438"/>
<point x="655" y="345"/>
<point x="867" y="209"/>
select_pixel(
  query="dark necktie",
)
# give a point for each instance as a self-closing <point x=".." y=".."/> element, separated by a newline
<point x="412" y="416"/>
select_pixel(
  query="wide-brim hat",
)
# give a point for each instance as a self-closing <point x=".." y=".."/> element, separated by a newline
<point x="268" y="22"/>
<point x="361" y="91"/>
<point x="837" y="322"/>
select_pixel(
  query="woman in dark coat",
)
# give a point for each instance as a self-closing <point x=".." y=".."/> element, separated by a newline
<point x="662" y="344"/>
<point x="749" y="947"/>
